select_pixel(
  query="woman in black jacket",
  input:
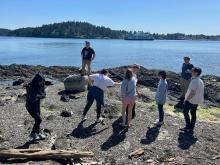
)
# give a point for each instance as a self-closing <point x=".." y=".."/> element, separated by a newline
<point x="35" y="92"/>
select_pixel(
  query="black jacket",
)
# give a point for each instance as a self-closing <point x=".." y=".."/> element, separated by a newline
<point x="34" y="95"/>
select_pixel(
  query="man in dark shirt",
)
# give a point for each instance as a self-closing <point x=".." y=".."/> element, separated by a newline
<point x="186" y="75"/>
<point x="88" y="55"/>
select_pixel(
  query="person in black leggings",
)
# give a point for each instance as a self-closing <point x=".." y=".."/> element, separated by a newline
<point x="35" y="92"/>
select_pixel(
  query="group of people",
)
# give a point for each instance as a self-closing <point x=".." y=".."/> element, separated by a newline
<point x="191" y="85"/>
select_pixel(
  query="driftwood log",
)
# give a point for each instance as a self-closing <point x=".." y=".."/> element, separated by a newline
<point x="43" y="154"/>
<point x="136" y="153"/>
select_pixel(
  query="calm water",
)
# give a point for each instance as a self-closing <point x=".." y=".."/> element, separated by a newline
<point x="151" y="54"/>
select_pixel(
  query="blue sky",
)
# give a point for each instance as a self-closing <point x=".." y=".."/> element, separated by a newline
<point x="160" y="16"/>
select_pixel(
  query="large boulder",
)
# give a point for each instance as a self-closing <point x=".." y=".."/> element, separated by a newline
<point x="76" y="83"/>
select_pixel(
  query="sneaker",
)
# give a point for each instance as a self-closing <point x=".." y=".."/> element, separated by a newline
<point x="159" y="123"/>
<point x="99" y="120"/>
<point x="34" y="136"/>
<point x="42" y="136"/>
<point x="185" y="129"/>
<point x="83" y="118"/>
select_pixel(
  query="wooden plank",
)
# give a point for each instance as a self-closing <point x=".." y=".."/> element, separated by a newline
<point x="44" y="154"/>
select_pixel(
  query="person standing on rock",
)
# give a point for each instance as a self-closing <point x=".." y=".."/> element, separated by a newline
<point x="35" y="92"/>
<point x="96" y="92"/>
<point x="88" y="55"/>
<point x="128" y="96"/>
<point x="194" y="97"/>
<point x="185" y="79"/>
<point x="161" y="96"/>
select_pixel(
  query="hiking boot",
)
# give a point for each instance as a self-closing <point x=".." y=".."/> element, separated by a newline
<point x="99" y="120"/>
<point x="42" y="136"/>
<point x="34" y="136"/>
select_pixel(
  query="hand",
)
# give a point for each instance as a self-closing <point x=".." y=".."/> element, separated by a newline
<point x="117" y="83"/>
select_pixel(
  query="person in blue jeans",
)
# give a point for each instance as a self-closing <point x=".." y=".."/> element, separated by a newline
<point x="161" y="96"/>
<point x="100" y="82"/>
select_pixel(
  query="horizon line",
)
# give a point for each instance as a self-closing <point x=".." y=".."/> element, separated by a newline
<point x="165" y="33"/>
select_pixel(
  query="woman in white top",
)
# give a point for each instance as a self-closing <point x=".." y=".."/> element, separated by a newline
<point x="135" y="69"/>
<point x="128" y="95"/>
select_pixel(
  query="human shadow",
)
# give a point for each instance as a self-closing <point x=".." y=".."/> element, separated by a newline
<point x="82" y="132"/>
<point x="178" y="110"/>
<point x="27" y="144"/>
<point x="119" y="134"/>
<point x="64" y="92"/>
<point x="151" y="135"/>
<point x="186" y="140"/>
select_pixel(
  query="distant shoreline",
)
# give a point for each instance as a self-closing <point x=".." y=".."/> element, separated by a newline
<point x="112" y="39"/>
<point x="85" y="30"/>
<point x="14" y="71"/>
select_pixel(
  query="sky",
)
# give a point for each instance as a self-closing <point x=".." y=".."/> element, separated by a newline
<point x="155" y="16"/>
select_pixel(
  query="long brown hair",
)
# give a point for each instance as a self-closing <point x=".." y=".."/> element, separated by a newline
<point x="128" y="74"/>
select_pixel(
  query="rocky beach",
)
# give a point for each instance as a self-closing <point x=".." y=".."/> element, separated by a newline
<point x="109" y="143"/>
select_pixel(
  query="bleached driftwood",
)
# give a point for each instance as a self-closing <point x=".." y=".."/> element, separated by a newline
<point x="44" y="154"/>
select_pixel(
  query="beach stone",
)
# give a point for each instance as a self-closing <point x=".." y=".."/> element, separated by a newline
<point x="50" y="117"/>
<point x="66" y="114"/>
<point x="48" y="83"/>
<point x="62" y="144"/>
<point x="75" y="83"/>
<point x="65" y="98"/>
<point x="2" y="139"/>
<point x="8" y="97"/>
<point x="21" y="97"/>
<point x="18" y="82"/>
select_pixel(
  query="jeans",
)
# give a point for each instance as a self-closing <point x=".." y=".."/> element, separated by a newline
<point x="94" y="94"/>
<point x="161" y="112"/>
<point x="37" y="119"/>
<point x="190" y="123"/>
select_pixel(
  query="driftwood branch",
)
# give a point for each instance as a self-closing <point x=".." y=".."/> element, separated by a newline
<point x="216" y="157"/>
<point x="136" y="153"/>
<point x="43" y="154"/>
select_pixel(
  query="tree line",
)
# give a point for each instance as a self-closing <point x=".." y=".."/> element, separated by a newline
<point x="76" y="29"/>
